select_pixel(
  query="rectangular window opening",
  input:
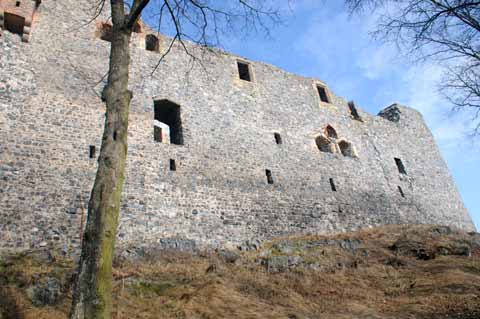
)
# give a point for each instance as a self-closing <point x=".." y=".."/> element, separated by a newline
<point x="269" y="176"/>
<point x="322" y="93"/>
<point x="91" y="152"/>
<point x="168" y="113"/>
<point x="332" y="185"/>
<point x="173" y="165"/>
<point x="244" y="71"/>
<point x="13" y="23"/>
<point x="157" y="134"/>
<point x="400" y="166"/>
<point x="17" y="4"/>
<point x="400" y="190"/>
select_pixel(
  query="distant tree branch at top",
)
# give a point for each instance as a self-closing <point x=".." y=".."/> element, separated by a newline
<point x="444" y="31"/>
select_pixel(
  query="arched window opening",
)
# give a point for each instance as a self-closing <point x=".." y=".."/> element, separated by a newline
<point x="168" y="114"/>
<point x="278" y="138"/>
<point x="330" y="132"/>
<point x="324" y="144"/>
<point x="106" y="32"/>
<point x="152" y="43"/>
<point x="14" y="23"/>
<point x="346" y="148"/>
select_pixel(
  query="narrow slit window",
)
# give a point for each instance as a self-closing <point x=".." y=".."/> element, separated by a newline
<point x="168" y="113"/>
<point x="353" y="111"/>
<point x="322" y="93"/>
<point x="91" y="151"/>
<point x="400" y="166"/>
<point x="278" y="138"/>
<point x="332" y="185"/>
<point x="173" y="165"/>
<point x="269" y="176"/>
<point x="244" y="71"/>
<point x="400" y="190"/>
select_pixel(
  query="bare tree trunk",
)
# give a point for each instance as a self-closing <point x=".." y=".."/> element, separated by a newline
<point x="92" y="296"/>
<point x="92" y="292"/>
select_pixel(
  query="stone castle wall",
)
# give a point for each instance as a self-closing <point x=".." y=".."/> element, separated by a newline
<point x="51" y="113"/>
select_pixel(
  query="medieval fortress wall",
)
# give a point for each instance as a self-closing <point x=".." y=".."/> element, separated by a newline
<point x="206" y="180"/>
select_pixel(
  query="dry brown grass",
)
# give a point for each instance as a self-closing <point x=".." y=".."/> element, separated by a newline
<point x="179" y="286"/>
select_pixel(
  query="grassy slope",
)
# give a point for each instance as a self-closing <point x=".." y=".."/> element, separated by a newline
<point x="371" y="282"/>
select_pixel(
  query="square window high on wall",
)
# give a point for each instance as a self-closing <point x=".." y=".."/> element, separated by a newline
<point x="244" y="71"/>
<point x="323" y="93"/>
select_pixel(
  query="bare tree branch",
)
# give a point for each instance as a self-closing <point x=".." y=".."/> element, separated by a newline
<point x="135" y="12"/>
<point x="445" y="31"/>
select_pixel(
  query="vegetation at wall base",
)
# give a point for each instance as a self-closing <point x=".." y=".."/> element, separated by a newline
<point x="386" y="272"/>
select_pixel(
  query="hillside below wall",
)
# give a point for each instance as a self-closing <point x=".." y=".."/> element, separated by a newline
<point x="51" y="113"/>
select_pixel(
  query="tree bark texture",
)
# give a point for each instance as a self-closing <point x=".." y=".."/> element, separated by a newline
<point x="92" y="296"/>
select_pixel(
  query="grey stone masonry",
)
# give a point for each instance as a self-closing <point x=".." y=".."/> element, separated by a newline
<point x="230" y="152"/>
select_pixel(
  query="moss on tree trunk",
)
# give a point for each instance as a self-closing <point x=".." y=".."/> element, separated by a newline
<point x="92" y="292"/>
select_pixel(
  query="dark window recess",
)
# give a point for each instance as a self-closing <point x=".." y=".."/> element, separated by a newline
<point x="346" y="148"/>
<point x="353" y="111"/>
<point x="330" y="132"/>
<point x="400" y="166"/>
<point x="14" y="23"/>
<point x="278" y="138"/>
<point x="401" y="191"/>
<point x="244" y="71"/>
<point x="157" y="134"/>
<point x="173" y="165"/>
<point x="106" y="32"/>
<point x="91" y="152"/>
<point x="332" y="185"/>
<point x="151" y="43"/>
<point x="322" y="93"/>
<point x="323" y="144"/>
<point x="269" y="176"/>
<point x="17" y="4"/>
<point x="169" y="113"/>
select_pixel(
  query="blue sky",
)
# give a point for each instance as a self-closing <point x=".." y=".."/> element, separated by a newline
<point x="319" y="39"/>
